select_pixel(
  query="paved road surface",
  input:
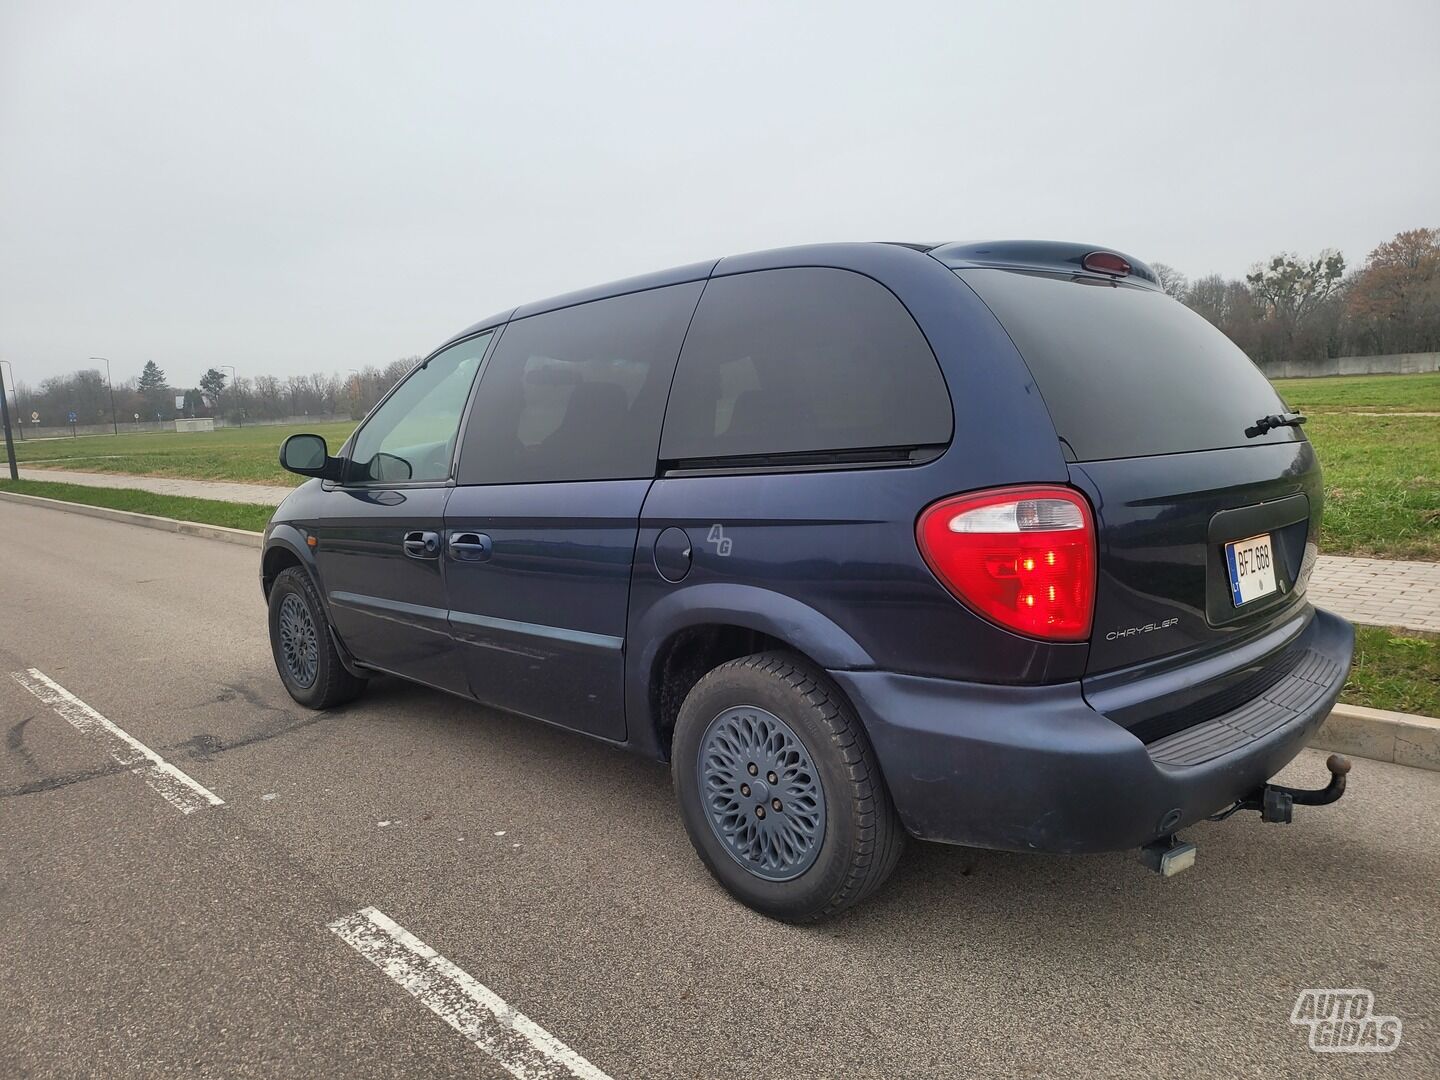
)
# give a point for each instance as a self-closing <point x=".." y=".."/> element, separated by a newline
<point x="138" y="940"/>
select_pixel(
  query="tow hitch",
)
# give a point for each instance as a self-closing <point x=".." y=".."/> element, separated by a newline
<point x="1169" y="855"/>
<point x="1277" y="804"/>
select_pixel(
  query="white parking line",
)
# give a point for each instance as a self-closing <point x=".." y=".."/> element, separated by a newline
<point x="182" y="792"/>
<point x="523" y="1047"/>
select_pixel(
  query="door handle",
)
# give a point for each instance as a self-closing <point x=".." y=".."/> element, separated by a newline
<point x="471" y="546"/>
<point x="422" y="545"/>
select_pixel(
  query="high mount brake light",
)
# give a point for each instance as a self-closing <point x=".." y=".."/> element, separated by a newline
<point x="1022" y="557"/>
<point x="1106" y="262"/>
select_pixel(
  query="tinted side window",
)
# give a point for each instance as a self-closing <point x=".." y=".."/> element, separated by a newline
<point x="578" y="394"/>
<point x="788" y="361"/>
<point x="411" y="437"/>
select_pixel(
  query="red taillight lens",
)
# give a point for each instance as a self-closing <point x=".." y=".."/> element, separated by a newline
<point x="1023" y="557"/>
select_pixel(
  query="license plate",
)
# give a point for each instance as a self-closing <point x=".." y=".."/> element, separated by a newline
<point x="1252" y="569"/>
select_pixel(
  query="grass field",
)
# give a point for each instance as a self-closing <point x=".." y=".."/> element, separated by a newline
<point x="1381" y="393"/>
<point x="248" y="455"/>
<point x="1395" y="669"/>
<point x="1382" y="473"/>
<point x="206" y="511"/>
<point x="1382" y="484"/>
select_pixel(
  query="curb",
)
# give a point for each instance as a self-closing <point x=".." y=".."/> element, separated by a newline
<point x="1402" y="738"/>
<point x="149" y="521"/>
<point x="1399" y="738"/>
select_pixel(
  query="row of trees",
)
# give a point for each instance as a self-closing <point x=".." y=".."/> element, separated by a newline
<point x="1296" y="309"/>
<point x="151" y="396"/>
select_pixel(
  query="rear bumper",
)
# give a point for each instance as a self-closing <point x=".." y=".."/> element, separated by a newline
<point x="1037" y="769"/>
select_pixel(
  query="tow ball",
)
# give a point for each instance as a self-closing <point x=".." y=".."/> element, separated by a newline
<point x="1275" y="803"/>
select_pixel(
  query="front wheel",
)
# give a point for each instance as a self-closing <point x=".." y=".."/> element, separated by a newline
<point x="305" y="654"/>
<point x="780" y="791"/>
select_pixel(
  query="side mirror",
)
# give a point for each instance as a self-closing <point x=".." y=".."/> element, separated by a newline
<point x="309" y="456"/>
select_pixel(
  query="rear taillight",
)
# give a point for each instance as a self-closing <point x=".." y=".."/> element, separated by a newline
<point x="1023" y="557"/>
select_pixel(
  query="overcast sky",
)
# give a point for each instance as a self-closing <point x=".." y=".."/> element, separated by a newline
<point x="302" y="186"/>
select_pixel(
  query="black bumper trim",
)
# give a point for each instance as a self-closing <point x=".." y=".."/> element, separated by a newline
<point x="1294" y="695"/>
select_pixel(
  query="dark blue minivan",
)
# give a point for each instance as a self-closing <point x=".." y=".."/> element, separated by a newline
<point x="989" y="544"/>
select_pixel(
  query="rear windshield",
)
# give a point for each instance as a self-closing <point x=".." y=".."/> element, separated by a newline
<point x="1125" y="371"/>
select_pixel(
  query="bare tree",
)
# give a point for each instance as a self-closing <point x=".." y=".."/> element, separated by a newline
<point x="1292" y="289"/>
<point x="397" y="370"/>
<point x="269" y="398"/>
<point x="1172" y="281"/>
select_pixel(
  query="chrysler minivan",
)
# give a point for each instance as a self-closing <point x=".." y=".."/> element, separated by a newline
<point x="988" y="544"/>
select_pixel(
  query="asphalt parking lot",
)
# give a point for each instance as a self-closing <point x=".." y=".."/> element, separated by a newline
<point x="143" y="940"/>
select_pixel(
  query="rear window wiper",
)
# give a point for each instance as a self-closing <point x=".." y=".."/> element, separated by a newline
<point x="1274" y="420"/>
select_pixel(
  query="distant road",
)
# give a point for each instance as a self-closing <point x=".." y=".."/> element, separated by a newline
<point x="365" y="878"/>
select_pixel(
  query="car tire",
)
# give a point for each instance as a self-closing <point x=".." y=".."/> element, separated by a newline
<point x="761" y="730"/>
<point x="304" y="650"/>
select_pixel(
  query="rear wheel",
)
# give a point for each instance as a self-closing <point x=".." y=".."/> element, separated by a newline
<point x="780" y="791"/>
<point x="305" y="654"/>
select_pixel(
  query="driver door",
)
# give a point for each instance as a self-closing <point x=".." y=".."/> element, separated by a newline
<point x="379" y="538"/>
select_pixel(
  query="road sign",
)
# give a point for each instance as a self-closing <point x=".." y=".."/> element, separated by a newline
<point x="73" y="417"/>
<point x="34" y="417"/>
<point x="137" y="417"/>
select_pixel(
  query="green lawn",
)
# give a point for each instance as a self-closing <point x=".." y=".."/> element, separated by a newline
<point x="1395" y="669"/>
<point x="1382" y="393"/>
<point x="1382" y="473"/>
<point x="249" y="454"/>
<point x="206" y="511"/>
<point x="1382" y="484"/>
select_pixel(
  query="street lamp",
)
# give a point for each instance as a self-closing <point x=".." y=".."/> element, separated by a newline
<point x="15" y="389"/>
<point x="114" y="420"/>
<point x="5" y="419"/>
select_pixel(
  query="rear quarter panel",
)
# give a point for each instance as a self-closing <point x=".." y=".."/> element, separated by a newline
<point x="827" y="560"/>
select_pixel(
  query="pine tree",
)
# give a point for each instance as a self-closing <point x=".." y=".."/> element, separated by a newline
<point x="212" y="385"/>
<point x="152" y="388"/>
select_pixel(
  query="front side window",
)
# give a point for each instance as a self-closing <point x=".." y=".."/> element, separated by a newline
<point x="803" y="361"/>
<point x="411" y="437"/>
<point x="578" y="394"/>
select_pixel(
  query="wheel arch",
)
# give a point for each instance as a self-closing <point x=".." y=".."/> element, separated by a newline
<point x="691" y="631"/>
<point x="286" y="547"/>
